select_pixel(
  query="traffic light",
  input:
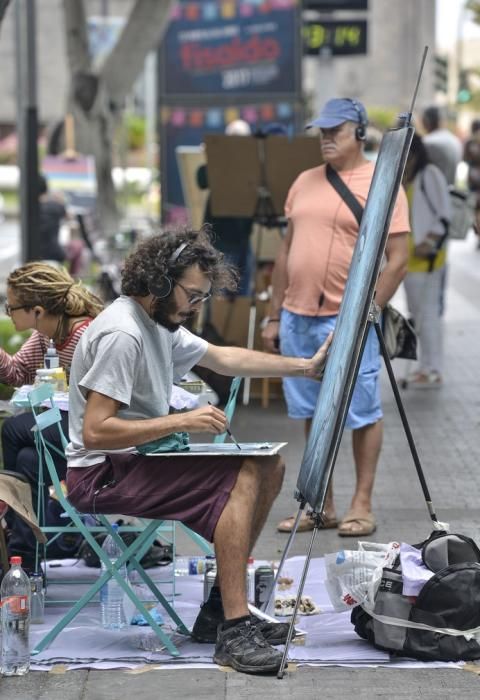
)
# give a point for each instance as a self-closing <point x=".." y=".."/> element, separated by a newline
<point x="464" y="92"/>
<point x="441" y="74"/>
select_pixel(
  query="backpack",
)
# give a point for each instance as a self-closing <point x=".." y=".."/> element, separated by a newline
<point x="462" y="203"/>
<point x="158" y="554"/>
<point x="443" y="622"/>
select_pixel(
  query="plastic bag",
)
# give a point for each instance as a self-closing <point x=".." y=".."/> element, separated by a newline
<point x="353" y="576"/>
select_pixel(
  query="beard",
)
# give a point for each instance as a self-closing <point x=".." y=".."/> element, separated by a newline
<point x="163" y="309"/>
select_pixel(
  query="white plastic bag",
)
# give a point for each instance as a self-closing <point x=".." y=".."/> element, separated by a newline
<point x="353" y="576"/>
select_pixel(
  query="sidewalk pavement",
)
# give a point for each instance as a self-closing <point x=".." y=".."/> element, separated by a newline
<point x="445" y="424"/>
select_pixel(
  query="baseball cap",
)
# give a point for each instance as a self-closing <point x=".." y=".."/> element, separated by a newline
<point x="340" y="110"/>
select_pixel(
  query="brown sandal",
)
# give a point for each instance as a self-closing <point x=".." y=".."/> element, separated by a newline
<point x="357" y="524"/>
<point x="306" y="523"/>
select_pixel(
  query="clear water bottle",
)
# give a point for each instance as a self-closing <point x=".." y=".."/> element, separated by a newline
<point x="111" y="594"/>
<point x="37" y="599"/>
<point x="251" y="580"/>
<point x="15" y="594"/>
<point x="51" y="359"/>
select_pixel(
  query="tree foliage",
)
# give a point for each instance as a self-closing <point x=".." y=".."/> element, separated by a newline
<point x="98" y="93"/>
<point x="474" y="7"/>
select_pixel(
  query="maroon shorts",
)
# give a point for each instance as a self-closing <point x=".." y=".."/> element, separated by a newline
<point x="192" y="489"/>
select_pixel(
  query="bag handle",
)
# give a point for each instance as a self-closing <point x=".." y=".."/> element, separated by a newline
<point x="345" y="193"/>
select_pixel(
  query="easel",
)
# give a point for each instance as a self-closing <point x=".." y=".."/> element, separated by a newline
<point x="357" y="313"/>
<point x="250" y="176"/>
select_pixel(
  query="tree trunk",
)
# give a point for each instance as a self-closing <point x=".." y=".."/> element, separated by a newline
<point x="97" y="97"/>
<point x="3" y="8"/>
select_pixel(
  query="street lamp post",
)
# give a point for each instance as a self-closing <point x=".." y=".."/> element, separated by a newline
<point x="27" y="120"/>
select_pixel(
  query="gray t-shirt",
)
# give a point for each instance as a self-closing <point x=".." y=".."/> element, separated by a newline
<point x="125" y="355"/>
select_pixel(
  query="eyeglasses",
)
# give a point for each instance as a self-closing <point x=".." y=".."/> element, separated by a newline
<point x="9" y="308"/>
<point x="194" y="297"/>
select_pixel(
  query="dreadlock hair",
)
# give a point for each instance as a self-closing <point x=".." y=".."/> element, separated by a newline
<point x="39" y="284"/>
<point x="150" y="261"/>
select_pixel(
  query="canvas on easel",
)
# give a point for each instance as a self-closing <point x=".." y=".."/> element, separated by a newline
<point x="189" y="160"/>
<point x="236" y="171"/>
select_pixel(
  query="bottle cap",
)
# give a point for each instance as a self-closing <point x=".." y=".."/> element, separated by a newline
<point x="16" y="560"/>
<point x="51" y="350"/>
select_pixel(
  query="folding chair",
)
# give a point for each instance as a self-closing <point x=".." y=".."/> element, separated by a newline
<point x="132" y="554"/>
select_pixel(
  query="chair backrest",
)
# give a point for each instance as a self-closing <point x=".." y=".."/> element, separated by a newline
<point x="39" y="399"/>
<point x="230" y="406"/>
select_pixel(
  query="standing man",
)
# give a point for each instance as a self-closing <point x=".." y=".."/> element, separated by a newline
<point x="120" y="386"/>
<point x="444" y="149"/>
<point x="309" y="278"/>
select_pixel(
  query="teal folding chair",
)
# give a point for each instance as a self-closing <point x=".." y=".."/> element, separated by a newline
<point x="131" y="555"/>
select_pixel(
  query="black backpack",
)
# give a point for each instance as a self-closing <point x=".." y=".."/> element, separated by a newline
<point x="158" y="554"/>
<point x="449" y="601"/>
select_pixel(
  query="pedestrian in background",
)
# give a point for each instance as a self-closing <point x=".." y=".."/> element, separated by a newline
<point x="427" y="193"/>
<point x="444" y="149"/>
<point x="231" y="234"/>
<point x="472" y="158"/>
<point x="52" y="213"/>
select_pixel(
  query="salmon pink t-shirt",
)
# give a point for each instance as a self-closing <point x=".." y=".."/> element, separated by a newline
<point x="324" y="235"/>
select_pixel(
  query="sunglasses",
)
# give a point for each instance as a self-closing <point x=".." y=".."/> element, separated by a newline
<point x="9" y="308"/>
<point x="194" y="297"/>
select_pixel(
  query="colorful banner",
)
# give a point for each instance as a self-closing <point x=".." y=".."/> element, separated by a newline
<point x="187" y="126"/>
<point x="228" y="47"/>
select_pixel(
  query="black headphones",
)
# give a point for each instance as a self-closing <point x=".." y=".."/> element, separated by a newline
<point x="162" y="288"/>
<point x="361" y="130"/>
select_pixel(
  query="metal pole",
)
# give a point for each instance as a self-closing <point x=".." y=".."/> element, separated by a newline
<point x="28" y="128"/>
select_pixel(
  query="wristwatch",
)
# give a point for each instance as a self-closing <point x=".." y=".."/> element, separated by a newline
<point x="267" y="320"/>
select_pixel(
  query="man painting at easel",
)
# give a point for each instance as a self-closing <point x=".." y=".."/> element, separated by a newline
<point x="120" y="385"/>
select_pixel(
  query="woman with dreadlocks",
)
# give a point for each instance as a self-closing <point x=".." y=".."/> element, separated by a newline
<point x="49" y="301"/>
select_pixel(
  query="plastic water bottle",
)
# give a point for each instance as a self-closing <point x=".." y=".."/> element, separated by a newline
<point x="37" y="599"/>
<point x="15" y="593"/>
<point x="51" y="359"/>
<point x="251" y="580"/>
<point x="111" y="593"/>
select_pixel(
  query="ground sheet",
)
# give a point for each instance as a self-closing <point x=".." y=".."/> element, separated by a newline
<point x="329" y="637"/>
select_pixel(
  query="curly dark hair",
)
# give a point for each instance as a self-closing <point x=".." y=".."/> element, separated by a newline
<point x="149" y="262"/>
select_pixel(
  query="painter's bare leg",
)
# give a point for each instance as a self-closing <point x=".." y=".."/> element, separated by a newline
<point x="232" y="539"/>
<point x="272" y="470"/>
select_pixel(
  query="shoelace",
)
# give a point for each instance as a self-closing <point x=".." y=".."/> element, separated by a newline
<point x="246" y="633"/>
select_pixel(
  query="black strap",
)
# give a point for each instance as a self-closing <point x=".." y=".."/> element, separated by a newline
<point x="345" y="193"/>
<point x="445" y="223"/>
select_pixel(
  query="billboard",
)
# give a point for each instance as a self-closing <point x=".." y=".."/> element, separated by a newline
<point x="217" y="49"/>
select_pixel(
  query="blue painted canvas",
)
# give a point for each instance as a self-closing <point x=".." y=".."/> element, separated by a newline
<point x="351" y="328"/>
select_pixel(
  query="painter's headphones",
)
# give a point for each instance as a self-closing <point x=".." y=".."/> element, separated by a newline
<point x="163" y="286"/>
<point x="361" y="130"/>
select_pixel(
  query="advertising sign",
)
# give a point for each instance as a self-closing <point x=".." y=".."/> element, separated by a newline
<point x="231" y="47"/>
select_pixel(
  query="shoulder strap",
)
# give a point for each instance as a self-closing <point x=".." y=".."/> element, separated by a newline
<point x="345" y="193"/>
